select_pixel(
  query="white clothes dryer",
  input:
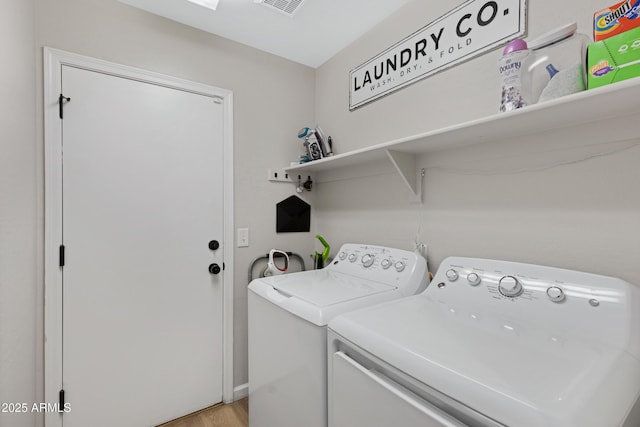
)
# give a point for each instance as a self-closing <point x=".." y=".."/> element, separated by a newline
<point x="491" y="344"/>
<point x="288" y="317"/>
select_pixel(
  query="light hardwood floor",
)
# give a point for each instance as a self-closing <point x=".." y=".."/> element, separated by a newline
<point x="235" y="414"/>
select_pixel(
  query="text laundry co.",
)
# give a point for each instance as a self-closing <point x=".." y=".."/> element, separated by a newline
<point x="473" y="28"/>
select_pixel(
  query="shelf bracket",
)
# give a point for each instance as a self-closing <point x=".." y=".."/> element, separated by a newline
<point x="405" y="164"/>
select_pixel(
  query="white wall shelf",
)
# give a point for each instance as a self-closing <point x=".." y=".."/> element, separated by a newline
<point x="585" y="113"/>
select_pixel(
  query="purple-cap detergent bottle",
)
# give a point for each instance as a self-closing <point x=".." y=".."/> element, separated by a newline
<point x="512" y="66"/>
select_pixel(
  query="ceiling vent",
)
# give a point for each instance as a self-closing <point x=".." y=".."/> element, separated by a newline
<point x="288" y="7"/>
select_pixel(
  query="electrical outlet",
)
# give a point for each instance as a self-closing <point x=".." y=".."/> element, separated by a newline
<point x="243" y="237"/>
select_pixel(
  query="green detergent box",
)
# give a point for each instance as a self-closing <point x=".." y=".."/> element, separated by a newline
<point x="614" y="59"/>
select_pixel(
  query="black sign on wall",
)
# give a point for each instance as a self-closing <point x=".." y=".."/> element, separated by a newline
<point x="293" y="215"/>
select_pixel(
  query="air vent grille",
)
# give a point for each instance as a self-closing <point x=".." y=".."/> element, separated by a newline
<point x="288" y="7"/>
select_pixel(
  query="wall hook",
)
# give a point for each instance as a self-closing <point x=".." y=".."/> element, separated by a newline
<point x="302" y="186"/>
<point x="61" y="101"/>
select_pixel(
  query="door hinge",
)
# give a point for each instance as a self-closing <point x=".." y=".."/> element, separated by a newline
<point x="61" y="255"/>
<point x="61" y="101"/>
<point x="61" y="401"/>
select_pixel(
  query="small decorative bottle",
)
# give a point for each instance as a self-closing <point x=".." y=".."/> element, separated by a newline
<point x="512" y="66"/>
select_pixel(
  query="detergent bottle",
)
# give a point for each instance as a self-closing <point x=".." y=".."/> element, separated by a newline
<point x="515" y="84"/>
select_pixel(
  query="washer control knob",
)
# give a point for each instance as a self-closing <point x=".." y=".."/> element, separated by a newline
<point x="509" y="286"/>
<point x="474" y="279"/>
<point x="400" y="265"/>
<point x="555" y="294"/>
<point x="342" y="255"/>
<point x="353" y="257"/>
<point x="452" y="275"/>
<point x="386" y="263"/>
<point x="367" y="260"/>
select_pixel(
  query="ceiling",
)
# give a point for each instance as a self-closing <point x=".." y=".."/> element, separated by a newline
<point x="318" y="30"/>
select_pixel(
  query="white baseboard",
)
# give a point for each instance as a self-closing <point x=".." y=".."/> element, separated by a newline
<point x="241" y="391"/>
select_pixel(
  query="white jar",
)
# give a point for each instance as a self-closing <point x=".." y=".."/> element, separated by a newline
<point x="559" y="65"/>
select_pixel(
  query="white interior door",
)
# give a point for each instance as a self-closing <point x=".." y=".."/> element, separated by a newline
<point x="142" y="198"/>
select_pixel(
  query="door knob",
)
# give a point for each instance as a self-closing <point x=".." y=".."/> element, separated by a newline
<point x="214" y="268"/>
<point x="214" y="244"/>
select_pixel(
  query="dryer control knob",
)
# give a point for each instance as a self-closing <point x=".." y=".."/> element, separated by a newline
<point x="367" y="260"/>
<point x="353" y="257"/>
<point x="342" y="255"/>
<point x="386" y="263"/>
<point x="555" y="294"/>
<point x="452" y="275"/>
<point x="400" y="265"/>
<point x="473" y="279"/>
<point x="509" y="286"/>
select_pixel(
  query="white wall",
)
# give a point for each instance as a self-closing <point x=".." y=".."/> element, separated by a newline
<point x="20" y="368"/>
<point x="540" y="201"/>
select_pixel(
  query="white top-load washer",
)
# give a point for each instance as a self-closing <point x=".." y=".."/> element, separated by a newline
<point x="491" y="343"/>
<point x="288" y="318"/>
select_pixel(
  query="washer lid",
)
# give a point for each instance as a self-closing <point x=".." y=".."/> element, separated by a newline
<point x="320" y="295"/>
<point x="510" y="372"/>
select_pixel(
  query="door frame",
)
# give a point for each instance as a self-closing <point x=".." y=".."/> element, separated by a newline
<point x="54" y="59"/>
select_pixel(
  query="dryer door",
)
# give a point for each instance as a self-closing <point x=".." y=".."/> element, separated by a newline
<point x="362" y="397"/>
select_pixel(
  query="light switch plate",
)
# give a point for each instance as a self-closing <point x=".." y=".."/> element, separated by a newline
<point x="243" y="237"/>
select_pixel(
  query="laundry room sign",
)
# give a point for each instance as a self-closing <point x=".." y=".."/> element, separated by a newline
<point x="471" y="29"/>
